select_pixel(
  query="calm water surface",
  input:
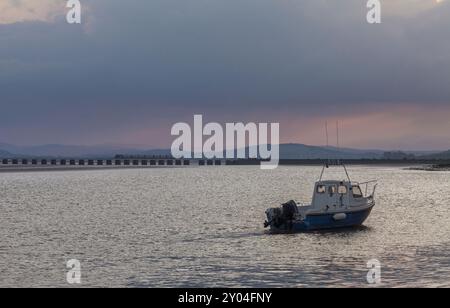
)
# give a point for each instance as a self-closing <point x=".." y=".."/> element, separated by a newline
<point x="203" y="227"/>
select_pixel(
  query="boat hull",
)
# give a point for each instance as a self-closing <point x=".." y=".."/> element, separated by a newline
<point x="326" y="221"/>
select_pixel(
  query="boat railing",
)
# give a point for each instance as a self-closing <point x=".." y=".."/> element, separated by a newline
<point x="367" y="184"/>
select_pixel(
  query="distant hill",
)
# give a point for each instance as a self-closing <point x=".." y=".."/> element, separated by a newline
<point x="287" y="151"/>
<point x="163" y="152"/>
<point x="75" y="151"/>
<point x="5" y="154"/>
<point x="440" y="155"/>
<point x="302" y="151"/>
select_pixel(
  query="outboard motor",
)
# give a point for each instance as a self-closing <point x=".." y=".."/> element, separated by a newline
<point x="289" y="210"/>
<point x="282" y="216"/>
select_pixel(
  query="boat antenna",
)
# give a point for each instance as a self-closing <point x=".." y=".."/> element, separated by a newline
<point x="338" y="147"/>
<point x="337" y="141"/>
<point x="339" y="162"/>
<point x="337" y="133"/>
<point x="328" y="145"/>
<point x="326" y="164"/>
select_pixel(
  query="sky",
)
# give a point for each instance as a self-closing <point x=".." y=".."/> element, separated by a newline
<point x="134" y="68"/>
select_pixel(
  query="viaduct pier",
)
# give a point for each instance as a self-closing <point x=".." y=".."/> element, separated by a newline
<point x="118" y="161"/>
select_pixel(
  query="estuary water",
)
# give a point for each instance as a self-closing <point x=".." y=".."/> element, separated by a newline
<point x="203" y="227"/>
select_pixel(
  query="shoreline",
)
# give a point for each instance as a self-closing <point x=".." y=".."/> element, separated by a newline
<point x="431" y="168"/>
<point x="405" y="165"/>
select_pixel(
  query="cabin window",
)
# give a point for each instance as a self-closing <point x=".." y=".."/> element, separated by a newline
<point x="357" y="193"/>
<point x="321" y="189"/>
<point x="342" y="189"/>
<point x="332" y="190"/>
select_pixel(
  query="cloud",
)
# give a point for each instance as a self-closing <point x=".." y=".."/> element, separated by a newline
<point x="408" y="7"/>
<point x="407" y="126"/>
<point x="161" y="61"/>
<point x="15" y="11"/>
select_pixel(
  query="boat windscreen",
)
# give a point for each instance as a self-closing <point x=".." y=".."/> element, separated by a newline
<point x="357" y="193"/>
<point x="321" y="189"/>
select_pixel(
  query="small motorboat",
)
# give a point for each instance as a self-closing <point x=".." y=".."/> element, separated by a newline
<point x="335" y="204"/>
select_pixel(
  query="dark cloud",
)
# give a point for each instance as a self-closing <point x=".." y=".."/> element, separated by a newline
<point x="135" y="61"/>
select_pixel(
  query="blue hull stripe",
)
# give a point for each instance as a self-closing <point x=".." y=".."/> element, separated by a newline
<point x="326" y="221"/>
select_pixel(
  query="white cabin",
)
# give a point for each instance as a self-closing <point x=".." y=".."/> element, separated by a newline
<point x="337" y="195"/>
